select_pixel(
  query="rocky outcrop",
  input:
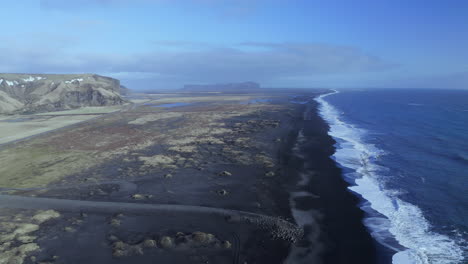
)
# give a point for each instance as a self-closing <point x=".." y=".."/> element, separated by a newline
<point x="51" y="92"/>
<point x="230" y="87"/>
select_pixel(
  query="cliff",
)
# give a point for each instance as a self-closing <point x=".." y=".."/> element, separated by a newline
<point x="51" y="92"/>
<point x="124" y="90"/>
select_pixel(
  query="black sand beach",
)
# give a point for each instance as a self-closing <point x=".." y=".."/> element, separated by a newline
<point x="345" y="238"/>
<point x="222" y="196"/>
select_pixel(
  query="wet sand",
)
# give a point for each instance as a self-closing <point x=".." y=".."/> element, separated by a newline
<point x="341" y="230"/>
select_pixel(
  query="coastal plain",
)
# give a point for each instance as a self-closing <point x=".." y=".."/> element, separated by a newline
<point x="181" y="178"/>
<point x="187" y="177"/>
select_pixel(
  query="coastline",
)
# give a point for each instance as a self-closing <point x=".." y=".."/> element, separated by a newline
<point x="400" y="226"/>
<point x="342" y="237"/>
<point x="285" y="171"/>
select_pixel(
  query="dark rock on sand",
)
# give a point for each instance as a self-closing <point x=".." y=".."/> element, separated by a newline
<point x="166" y="242"/>
<point x="225" y="173"/>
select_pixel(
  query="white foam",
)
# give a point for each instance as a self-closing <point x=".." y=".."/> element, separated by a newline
<point x="404" y="220"/>
<point x="404" y="257"/>
<point x="1" y="81"/>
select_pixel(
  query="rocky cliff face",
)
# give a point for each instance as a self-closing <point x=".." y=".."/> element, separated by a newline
<point x="124" y="90"/>
<point x="50" y="92"/>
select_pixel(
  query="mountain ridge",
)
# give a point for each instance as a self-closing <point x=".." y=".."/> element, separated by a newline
<point x="26" y="93"/>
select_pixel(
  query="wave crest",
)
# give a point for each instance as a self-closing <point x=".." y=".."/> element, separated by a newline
<point x="404" y="221"/>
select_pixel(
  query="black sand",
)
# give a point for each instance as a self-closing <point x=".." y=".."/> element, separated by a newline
<point x="342" y="231"/>
<point x="117" y="233"/>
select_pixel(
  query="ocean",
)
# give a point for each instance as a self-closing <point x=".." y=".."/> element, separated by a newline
<point x="405" y="154"/>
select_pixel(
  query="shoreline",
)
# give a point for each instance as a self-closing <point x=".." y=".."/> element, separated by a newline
<point x="400" y="227"/>
<point x="274" y="160"/>
<point x="324" y="195"/>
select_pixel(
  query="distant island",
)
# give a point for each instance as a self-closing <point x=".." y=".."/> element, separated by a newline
<point x="223" y="87"/>
<point x="51" y="92"/>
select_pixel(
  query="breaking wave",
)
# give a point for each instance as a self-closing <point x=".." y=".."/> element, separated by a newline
<point x="397" y="220"/>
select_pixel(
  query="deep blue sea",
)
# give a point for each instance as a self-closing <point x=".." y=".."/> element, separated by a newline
<point x="405" y="152"/>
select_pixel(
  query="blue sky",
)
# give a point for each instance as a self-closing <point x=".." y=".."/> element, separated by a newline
<point x="279" y="43"/>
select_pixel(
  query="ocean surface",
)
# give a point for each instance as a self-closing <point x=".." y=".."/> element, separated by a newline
<point x="405" y="153"/>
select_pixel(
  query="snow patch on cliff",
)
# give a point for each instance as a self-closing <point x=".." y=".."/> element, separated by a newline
<point x="73" y="80"/>
<point x="32" y="79"/>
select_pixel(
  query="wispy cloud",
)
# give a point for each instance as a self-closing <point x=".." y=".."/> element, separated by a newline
<point x="203" y="63"/>
<point x="170" y="64"/>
